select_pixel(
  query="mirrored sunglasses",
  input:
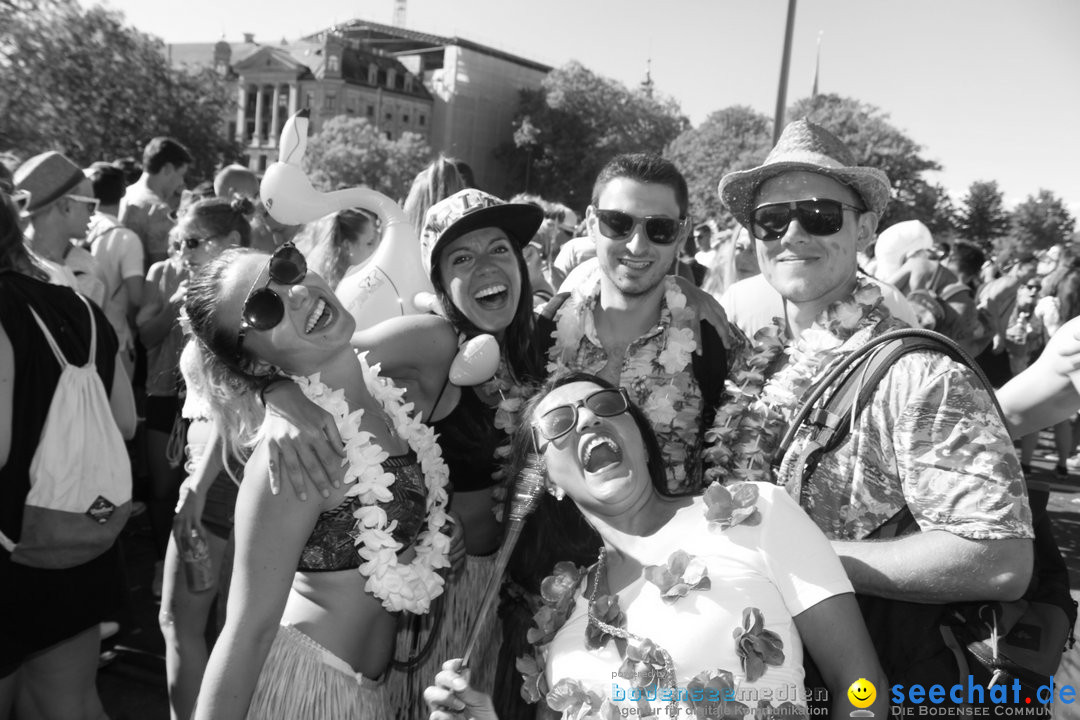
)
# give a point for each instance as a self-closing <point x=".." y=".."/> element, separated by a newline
<point x="617" y="225"/>
<point x="559" y="420"/>
<point x="264" y="308"/>
<point x="816" y="216"/>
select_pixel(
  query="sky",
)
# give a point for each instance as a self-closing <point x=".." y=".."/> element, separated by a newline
<point x="989" y="88"/>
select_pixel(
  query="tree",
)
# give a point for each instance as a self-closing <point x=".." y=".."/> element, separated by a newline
<point x="581" y="121"/>
<point x="735" y="138"/>
<point x="81" y="82"/>
<point x="982" y="215"/>
<point x="349" y="151"/>
<point x="1042" y="220"/>
<point x="876" y="142"/>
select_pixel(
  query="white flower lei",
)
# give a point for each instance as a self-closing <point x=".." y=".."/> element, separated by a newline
<point x="671" y="358"/>
<point x="409" y="587"/>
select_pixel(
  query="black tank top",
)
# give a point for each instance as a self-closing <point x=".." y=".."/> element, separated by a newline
<point x="468" y="438"/>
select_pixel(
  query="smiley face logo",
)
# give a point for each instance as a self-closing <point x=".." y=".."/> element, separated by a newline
<point x="862" y="693"/>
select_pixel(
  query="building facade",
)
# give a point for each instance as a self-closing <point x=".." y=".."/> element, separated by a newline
<point x="459" y="95"/>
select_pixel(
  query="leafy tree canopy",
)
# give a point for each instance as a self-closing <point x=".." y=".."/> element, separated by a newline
<point x="735" y="138"/>
<point x="348" y="152"/>
<point x="575" y="123"/>
<point x="982" y="215"/>
<point x="82" y="82"/>
<point x="1042" y="220"/>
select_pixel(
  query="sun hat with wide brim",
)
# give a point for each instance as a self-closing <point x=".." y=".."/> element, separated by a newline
<point x="806" y="147"/>
<point x="471" y="209"/>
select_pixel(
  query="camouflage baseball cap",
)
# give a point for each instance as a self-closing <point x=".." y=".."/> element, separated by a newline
<point x="469" y="210"/>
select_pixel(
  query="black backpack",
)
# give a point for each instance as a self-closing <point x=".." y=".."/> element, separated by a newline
<point x="996" y="642"/>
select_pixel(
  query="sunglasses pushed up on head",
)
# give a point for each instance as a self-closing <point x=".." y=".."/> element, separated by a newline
<point x="617" y="225"/>
<point x="264" y="308"/>
<point x="816" y="216"/>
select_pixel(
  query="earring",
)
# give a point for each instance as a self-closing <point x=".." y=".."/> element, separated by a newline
<point x="555" y="491"/>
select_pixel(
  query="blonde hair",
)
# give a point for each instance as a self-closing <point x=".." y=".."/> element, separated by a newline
<point x="212" y="365"/>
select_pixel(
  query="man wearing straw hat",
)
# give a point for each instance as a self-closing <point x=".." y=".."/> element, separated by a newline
<point x="930" y="439"/>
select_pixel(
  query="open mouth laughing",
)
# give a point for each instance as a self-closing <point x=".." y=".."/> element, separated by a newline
<point x="600" y="452"/>
<point x="320" y="317"/>
<point x="492" y="296"/>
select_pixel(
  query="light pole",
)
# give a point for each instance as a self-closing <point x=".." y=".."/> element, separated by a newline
<point x="781" y="94"/>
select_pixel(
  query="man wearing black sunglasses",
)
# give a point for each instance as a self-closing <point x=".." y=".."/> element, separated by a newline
<point x="928" y="442"/>
<point x="620" y="323"/>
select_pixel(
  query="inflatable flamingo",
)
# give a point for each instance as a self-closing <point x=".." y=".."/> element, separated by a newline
<point x="391" y="283"/>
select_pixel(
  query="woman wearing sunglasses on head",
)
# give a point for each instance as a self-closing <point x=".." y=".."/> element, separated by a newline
<point x="206" y="228"/>
<point x="471" y="246"/>
<point x="206" y="499"/>
<point x="703" y="603"/>
<point x="316" y="585"/>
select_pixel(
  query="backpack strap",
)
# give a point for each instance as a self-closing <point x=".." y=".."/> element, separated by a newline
<point x="57" y="352"/>
<point x="834" y="403"/>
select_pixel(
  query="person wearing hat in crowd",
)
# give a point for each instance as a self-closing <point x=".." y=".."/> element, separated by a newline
<point x="147" y="207"/>
<point x="998" y="297"/>
<point x="59" y="209"/>
<point x="929" y="440"/>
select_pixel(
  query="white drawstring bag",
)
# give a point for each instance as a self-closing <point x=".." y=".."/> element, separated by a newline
<point x="80" y="476"/>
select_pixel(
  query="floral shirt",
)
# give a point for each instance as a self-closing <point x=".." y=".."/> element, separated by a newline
<point x="656" y="370"/>
<point x="930" y="438"/>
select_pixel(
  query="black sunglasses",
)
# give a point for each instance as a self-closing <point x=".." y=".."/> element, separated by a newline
<point x="263" y="308"/>
<point x="617" y="225"/>
<point x="559" y="420"/>
<point x="193" y="243"/>
<point x="816" y="216"/>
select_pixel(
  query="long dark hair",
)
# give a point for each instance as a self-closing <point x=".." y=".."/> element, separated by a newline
<point x="13" y="252"/>
<point x="521" y="353"/>
<point x="557" y="530"/>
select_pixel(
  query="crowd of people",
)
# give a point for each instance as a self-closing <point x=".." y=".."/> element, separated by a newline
<point x="346" y="498"/>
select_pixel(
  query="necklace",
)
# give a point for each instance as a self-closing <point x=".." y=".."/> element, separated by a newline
<point x="661" y="668"/>
<point x="410" y="586"/>
<point x="656" y="372"/>
<point x="760" y="398"/>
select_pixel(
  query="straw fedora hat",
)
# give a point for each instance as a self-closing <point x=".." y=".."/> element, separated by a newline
<point x="804" y="146"/>
<point x="47" y="177"/>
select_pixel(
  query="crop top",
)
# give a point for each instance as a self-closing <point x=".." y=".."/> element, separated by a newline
<point x="468" y="439"/>
<point x="332" y="545"/>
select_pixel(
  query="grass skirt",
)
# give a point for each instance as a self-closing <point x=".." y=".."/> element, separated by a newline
<point x="460" y="607"/>
<point x="302" y="680"/>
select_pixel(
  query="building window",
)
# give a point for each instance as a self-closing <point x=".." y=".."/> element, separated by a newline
<point x="389" y="135"/>
<point x="389" y="116"/>
<point x="309" y="100"/>
<point x="399" y="82"/>
<point x="405" y="119"/>
<point x="372" y="74"/>
<point x="380" y="78"/>
<point x="330" y="102"/>
<point x="262" y="163"/>
<point x="371" y="111"/>
<point x="333" y="64"/>
<point x="421" y="121"/>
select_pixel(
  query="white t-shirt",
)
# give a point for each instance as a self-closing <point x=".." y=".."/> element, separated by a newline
<point x="753" y="303"/>
<point x="119" y="255"/>
<point x="781" y="565"/>
<point x="87" y="274"/>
